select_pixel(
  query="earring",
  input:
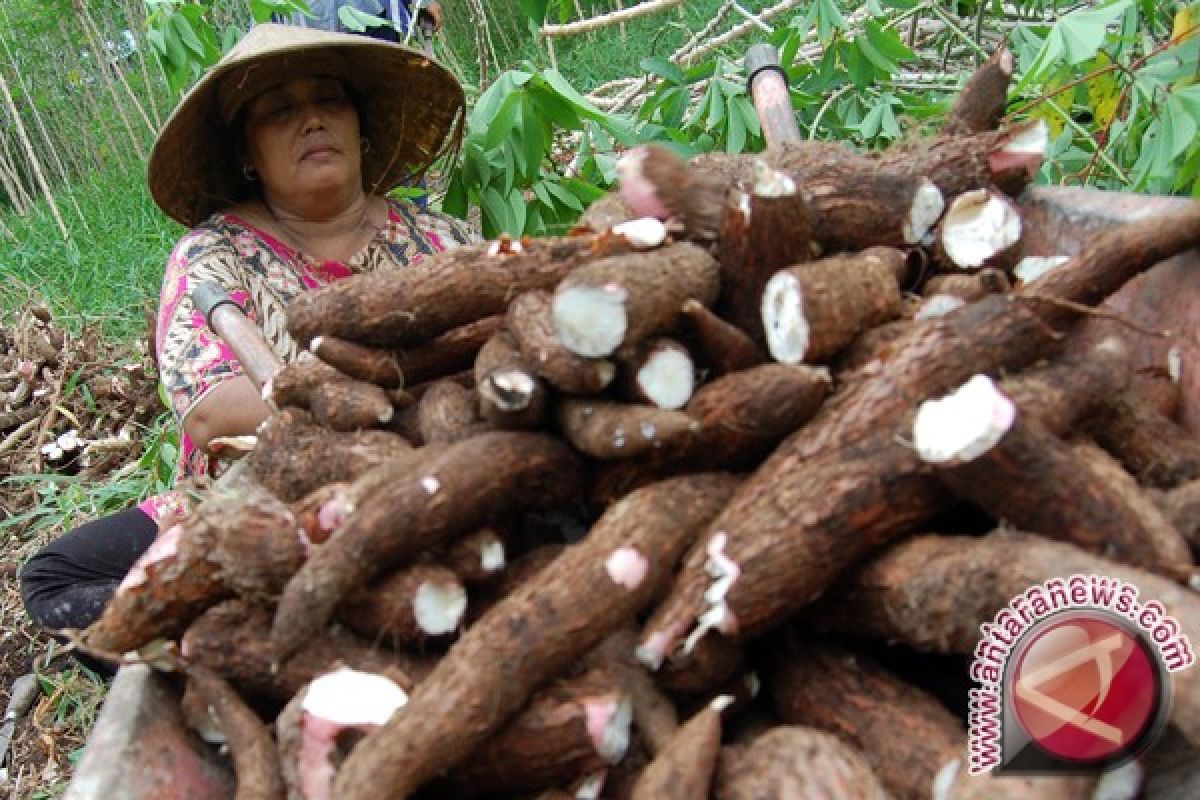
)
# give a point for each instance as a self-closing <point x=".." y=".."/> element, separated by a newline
<point x="364" y="145"/>
<point x="248" y="173"/>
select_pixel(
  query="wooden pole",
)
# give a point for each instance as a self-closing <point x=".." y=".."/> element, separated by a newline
<point x="33" y="160"/>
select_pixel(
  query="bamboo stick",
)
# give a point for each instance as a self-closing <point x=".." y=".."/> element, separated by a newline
<point x="98" y="53"/>
<point x="33" y="161"/>
<point x="118" y="72"/>
<point x="612" y="18"/>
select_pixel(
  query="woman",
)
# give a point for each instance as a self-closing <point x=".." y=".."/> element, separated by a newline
<point x="278" y="160"/>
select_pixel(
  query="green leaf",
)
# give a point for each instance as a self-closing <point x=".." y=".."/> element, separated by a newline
<point x="583" y="190"/>
<point x="857" y="66"/>
<point x="495" y="213"/>
<point x="888" y="43"/>
<point x="1178" y="131"/>
<point x="532" y="140"/>
<point x="455" y="202"/>
<point x="663" y="68"/>
<point x="716" y="107"/>
<point x="501" y="125"/>
<point x="1075" y="38"/>
<point x="568" y="199"/>
<point x="552" y="107"/>
<point x="187" y="34"/>
<point x="582" y="105"/>
<point x="518" y="208"/>
<point x="535" y="10"/>
<point x="824" y="14"/>
<point x="735" y="131"/>
<point x="539" y="189"/>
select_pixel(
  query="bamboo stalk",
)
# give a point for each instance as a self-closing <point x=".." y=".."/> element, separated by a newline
<point x="98" y="52"/>
<point x="15" y="192"/>
<point x="118" y="72"/>
<point x="90" y="103"/>
<point x="33" y="160"/>
<point x="138" y="23"/>
<point x="612" y="18"/>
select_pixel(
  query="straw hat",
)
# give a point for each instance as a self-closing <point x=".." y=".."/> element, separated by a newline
<point x="410" y="110"/>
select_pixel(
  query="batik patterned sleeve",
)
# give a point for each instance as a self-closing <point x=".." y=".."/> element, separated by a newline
<point x="192" y="359"/>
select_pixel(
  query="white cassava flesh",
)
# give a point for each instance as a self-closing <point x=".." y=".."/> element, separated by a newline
<point x="668" y="378"/>
<point x="626" y="567"/>
<point x="590" y="321"/>
<point x="717" y="616"/>
<point x="509" y="389"/>
<point x="927" y="208"/>
<point x="939" y="305"/>
<point x="783" y="318"/>
<point x="770" y="182"/>
<point x="439" y="608"/>
<point x="1029" y="140"/>
<point x="1031" y="268"/>
<point x="964" y="424"/>
<point x="978" y="226"/>
<point x="644" y="233"/>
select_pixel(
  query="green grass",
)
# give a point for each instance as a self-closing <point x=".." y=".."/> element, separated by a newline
<point x="110" y="267"/>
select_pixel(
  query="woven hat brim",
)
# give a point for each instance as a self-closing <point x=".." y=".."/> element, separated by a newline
<point x="411" y="110"/>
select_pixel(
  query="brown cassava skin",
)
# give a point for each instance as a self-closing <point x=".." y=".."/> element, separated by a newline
<point x="759" y="236"/>
<point x="844" y="295"/>
<point x="1159" y="452"/>
<point x="367" y="364"/>
<point x="447" y="413"/>
<point x="1039" y="483"/>
<point x="632" y="360"/>
<point x="251" y="746"/>
<point x="1162" y="538"/>
<point x="291" y="385"/>
<point x="958" y="164"/>
<point x="601" y="215"/>
<point x="652" y="285"/>
<point x="231" y="639"/>
<point x="1072" y="387"/>
<point x="694" y="196"/>
<point x="933" y="592"/>
<point x="384" y="611"/>
<point x="654" y="715"/>
<point x="294" y="457"/>
<point x="519" y="571"/>
<point x="447" y="353"/>
<point x="875" y="344"/>
<point x="980" y="104"/>
<point x="791" y="535"/>
<point x="307" y="510"/>
<point x="350" y="406"/>
<point x="968" y="288"/>
<point x="791" y="762"/>
<point x="725" y="347"/>
<point x="531" y="635"/>
<point x="905" y="733"/>
<point x="1182" y="506"/>
<point x="684" y="769"/>
<point x="452" y="492"/>
<point x="532" y="326"/>
<point x="262" y="548"/>
<point x="446" y="290"/>
<point x="172" y="591"/>
<point x="547" y="744"/>
<point x="511" y="395"/>
<point x="618" y="430"/>
<point x="707" y="670"/>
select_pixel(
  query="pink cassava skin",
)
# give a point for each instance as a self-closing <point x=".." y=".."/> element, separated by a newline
<point x="451" y="493"/>
<point x="533" y="634"/>
<point x="932" y="593"/>
<point x="684" y="769"/>
<point x="255" y="757"/>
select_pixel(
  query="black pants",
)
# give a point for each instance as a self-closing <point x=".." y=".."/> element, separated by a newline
<point x="68" y="582"/>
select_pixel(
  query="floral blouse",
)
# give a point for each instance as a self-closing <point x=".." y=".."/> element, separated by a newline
<point x="262" y="274"/>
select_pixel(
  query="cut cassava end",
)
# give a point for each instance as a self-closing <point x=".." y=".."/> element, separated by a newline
<point x="979" y="227"/>
<point x="604" y="213"/>
<point x="625" y="299"/>
<point x="968" y="581"/>
<point x="232" y="639"/>
<point x="451" y="492"/>
<point x="1030" y="268"/>
<point x="255" y="756"/>
<point x="511" y="395"/>
<point x="964" y="424"/>
<point x="531" y="322"/>
<point x="350" y="406"/>
<point x="684" y="769"/>
<point x="333" y="704"/>
<point x="643" y="233"/>
<point x="980" y="104"/>
<point x="725" y="347"/>
<point x="660" y="373"/>
<point x="369" y="364"/>
<point x="447" y="290"/>
<point x="813" y="310"/>
<point x="616" y="430"/>
<point x="412" y="604"/>
<point x="560" y="614"/>
<point x="654" y="714"/>
<point x="479" y="557"/>
<point x="793" y="761"/>
<point x="568" y="730"/>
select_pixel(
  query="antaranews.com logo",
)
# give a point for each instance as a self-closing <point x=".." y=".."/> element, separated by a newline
<point x="1073" y="676"/>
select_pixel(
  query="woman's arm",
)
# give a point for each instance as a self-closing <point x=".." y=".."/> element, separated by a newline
<point x="231" y="408"/>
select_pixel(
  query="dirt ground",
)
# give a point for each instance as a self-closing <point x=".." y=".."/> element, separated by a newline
<point x="51" y="383"/>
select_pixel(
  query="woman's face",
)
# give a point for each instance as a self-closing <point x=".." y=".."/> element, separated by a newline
<point x="302" y="137"/>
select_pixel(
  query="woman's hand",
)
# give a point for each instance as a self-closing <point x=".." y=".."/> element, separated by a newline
<point x="233" y="408"/>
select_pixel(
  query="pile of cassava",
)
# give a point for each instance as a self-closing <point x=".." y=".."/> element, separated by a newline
<point x="622" y="513"/>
